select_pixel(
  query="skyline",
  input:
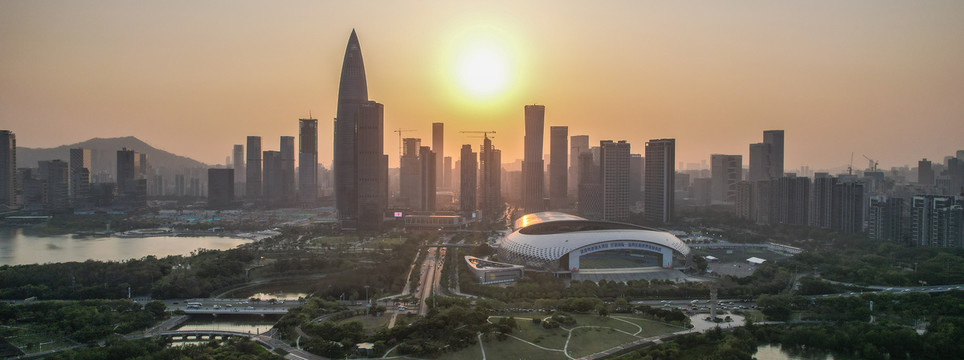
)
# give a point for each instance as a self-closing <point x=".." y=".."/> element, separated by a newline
<point x="881" y="75"/>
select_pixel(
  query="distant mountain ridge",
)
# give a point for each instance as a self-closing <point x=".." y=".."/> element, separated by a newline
<point x="104" y="155"/>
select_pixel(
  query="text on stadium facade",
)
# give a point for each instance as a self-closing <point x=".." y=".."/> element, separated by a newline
<point x="620" y="245"/>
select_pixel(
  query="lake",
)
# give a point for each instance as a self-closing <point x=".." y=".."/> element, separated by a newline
<point x="18" y="248"/>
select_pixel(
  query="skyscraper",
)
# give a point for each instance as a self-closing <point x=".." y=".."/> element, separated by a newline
<point x="144" y="167"/>
<point x="447" y="173"/>
<point x="360" y="163"/>
<point x="660" y="180"/>
<point x="131" y="189"/>
<point x="468" y="175"/>
<point x="220" y="187"/>
<point x="239" y="173"/>
<point x="636" y="167"/>
<point x="532" y="163"/>
<point x="307" y="162"/>
<point x="558" y="169"/>
<point x="128" y="166"/>
<point x="726" y="171"/>
<point x="272" y="177"/>
<point x="253" y="168"/>
<point x="410" y="174"/>
<point x="775" y="165"/>
<point x="759" y="160"/>
<point x="577" y="145"/>
<point x="614" y="170"/>
<point x="288" y="169"/>
<point x="427" y="184"/>
<point x="8" y="169"/>
<point x="352" y="93"/>
<point x="56" y="174"/>
<point x="371" y="166"/>
<point x="925" y="173"/>
<point x="79" y="177"/>
<point x="766" y="158"/>
<point x="438" y="147"/>
<point x="490" y="177"/>
<point x="590" y="196"/>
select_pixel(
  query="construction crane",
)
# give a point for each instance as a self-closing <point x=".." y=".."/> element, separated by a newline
<point x="873" y="163"/>
<point x="484" y="133"/>
<point x="850" y="167"/>
<point x="399" y="131"/>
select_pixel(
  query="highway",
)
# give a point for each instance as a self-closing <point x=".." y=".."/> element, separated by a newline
<point x="431" y="274"/>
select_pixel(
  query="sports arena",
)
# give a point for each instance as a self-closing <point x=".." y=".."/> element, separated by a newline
<point x="593" y="250"/>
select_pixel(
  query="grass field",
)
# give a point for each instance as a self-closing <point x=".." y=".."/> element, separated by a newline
<point x="371" y="323"/>
<point x="590" y="334"/>
<point x="587" y="341"/>
<point x="31" y="339"/>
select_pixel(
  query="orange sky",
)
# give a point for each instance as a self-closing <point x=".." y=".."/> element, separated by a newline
<point x="876" y="77"/>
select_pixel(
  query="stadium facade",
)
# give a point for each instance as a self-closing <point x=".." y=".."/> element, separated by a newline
<point x="567" y="244"/>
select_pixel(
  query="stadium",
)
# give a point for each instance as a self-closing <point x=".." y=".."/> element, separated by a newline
<point x="568" y="245"/>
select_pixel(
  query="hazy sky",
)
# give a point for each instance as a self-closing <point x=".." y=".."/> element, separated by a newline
<point x="875" y="77"/>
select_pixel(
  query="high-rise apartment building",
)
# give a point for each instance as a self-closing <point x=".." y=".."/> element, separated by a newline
<point x="726" y="171"/>
<point x="8" y="169"/>
<point x="532" y="163"/>
<point x="614" y="173"/>
<point x="468" y="176"/>
<point x="884" y="219"/>
<point x="577" y="145"/>
<point x="937" y="221"/>
<point x="253" y="168"/>
<point x="821" y="201"/>
<point x="360" y="163"/>
<point x="848" y="207"/>
<point x="307" y="162"/>
<point x="438" y="147"/>
<point x="239" y="173"/>
<point x="791" y="197"/>
<point x="660" y="180"/>
<point x="558" y="167"/>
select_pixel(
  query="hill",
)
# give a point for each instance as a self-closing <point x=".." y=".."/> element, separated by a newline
<point x="103" y="154"/>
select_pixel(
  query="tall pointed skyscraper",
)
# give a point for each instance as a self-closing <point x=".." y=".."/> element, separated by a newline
<point x="360" y="160"/>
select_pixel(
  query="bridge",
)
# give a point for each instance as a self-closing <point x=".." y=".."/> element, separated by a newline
<point x="281" y="310"/>
<point x="450" y="245"/>
<point x="268" y="342"/>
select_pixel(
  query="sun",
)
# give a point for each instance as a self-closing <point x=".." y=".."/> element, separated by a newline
<point x="482" y="68"/>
